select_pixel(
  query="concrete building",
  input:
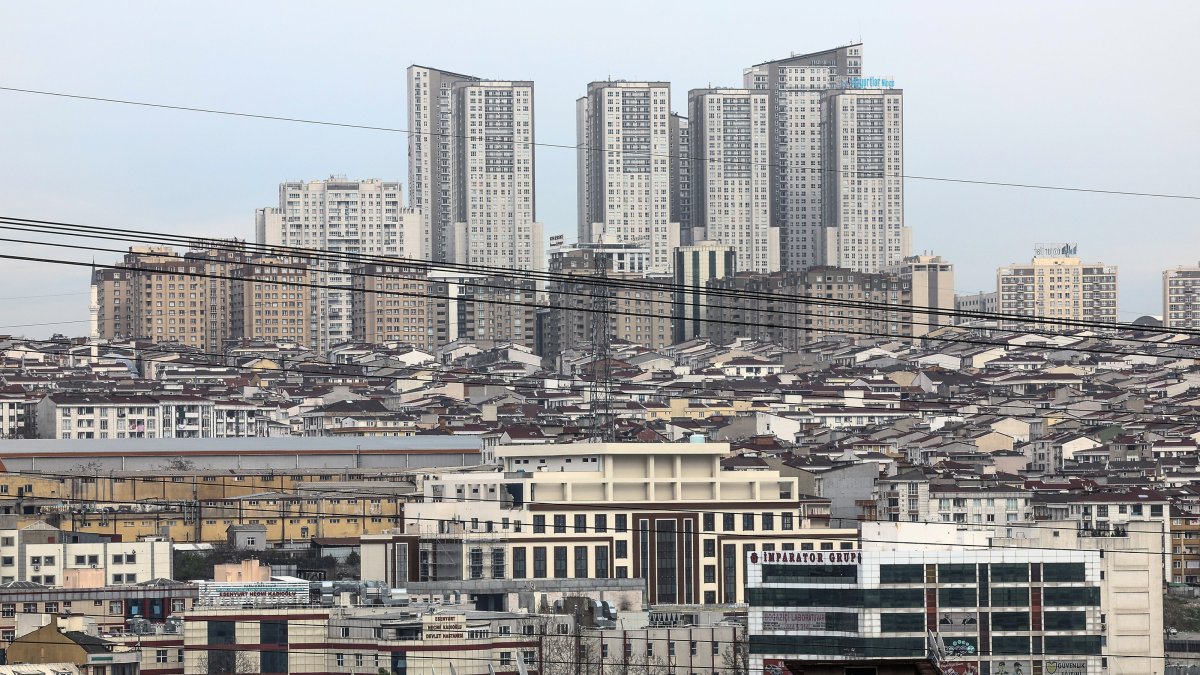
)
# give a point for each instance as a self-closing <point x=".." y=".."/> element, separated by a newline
<point x="795" y="86"/>
<point x="1056" y="284"/>
<point x="987" y="302"/>
<point x="625" y="143"/>
<point x="932" y="281"/>
<point x="792" y="309"/>
<point x="45" y="555"/>
<point x="270" y="300"/>
<point x="395" y="304"/>
<point x="1046" y="600"/>
<point x="96" y="416"/>
<point x="862" y="199"/>
<point x="432" y="152"/>
<point x="731" y="180"/>
<point x="695" y="266"/>
<point x="681" y="179"/>
<point x="109" y="608"/>
<point x="640" y="313"/>
<point x="342" y="217"/>
<point x="662" y="512"/>
<point x="1181" y="297"/>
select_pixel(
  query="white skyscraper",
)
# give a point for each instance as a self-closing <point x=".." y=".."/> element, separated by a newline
<point x="730" y="169"/>
<point x="493" y="176"/>
<point x="340" y="216"/>
<point x="471" y="166"/>
<point x="431" y="154"/>
<point x="795" y="86"/>
<point x="863" y="188"/>
<point x="625" y="141"/>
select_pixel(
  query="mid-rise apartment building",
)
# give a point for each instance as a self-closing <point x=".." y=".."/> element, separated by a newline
<point x="270" y="299"/>
<point x="932" y="281"/>
<point x="401" y="305"/>
<point x="695" y="266"/>
<point x="792" y="309"/>
<point x="1057" y="284"/>
<point x="97" y="416"/>
<point x="795" y="86"/>
<point x="624" y="143"/>
<point x="340" y="218"/>
<point x="42" y="554"/>
<point x="862" y="199"/>
<point x="1181" y="297"/>
<point x="986" y="302"/>
<point x="639" y="304"/>
<point x="731" y="181"/>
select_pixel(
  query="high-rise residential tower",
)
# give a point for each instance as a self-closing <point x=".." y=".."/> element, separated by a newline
<point x="493" y="176"/>
<point x="1181" y="297"/>
<point x="681" y="179"/>
<point x="624" y="142"/>
<point x="795" y="86"/>
<point x="431" y="154"/>
<point x="730" y="174"/>
<point x="340" y="216"/>
<point x="862" y="195"/>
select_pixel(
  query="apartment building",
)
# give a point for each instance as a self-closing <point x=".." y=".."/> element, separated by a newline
<point x="96" y="416"/>
<point x="695" y="267"/>
<point x="1057" y="284"/>
<point x="862" y="199"/>
<point x="271" y="301"/>
<point x="624" y="141"/>
<point x="932" y="281"/>
<point x="987" y="302"/>
<point x="432" y="151"/>
<point x="640" y="313"/>
<point x="1039" y="604"/>
<point x="681" y="179"/>
<point x="493" y="173"/>
<point x="730" y="186"/>
<point x="344" y="217"/>
<point x="792" y="309"/>
<point x="795" y="86"/>
<point x="1181" y="297"/>
<point x="662" y="512"/>
<point x="46" y="555"/>
<point x="394" y="304"/>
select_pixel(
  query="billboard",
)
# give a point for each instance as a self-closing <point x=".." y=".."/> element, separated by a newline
<point x="793" y="621"/>
<point x="253" y="593"/>
<point x="958" y="622"/>
<point x="1012" y="667"/>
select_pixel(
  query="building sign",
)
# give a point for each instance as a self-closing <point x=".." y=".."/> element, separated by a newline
<point x="1012" y="668"/>
<point x="805" y="557"/>
<point x="959" y="667"/>
<point x="444" y="627"/>
<point x="793" y="621"/>
<point x="256" y="593"/>
<point x="866" y="83"/>
<point x="1066" y="667"/>
<point x="960" y="647"/>
<point x="1069" y="250"/>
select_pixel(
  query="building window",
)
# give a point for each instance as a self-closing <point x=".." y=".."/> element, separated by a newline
<point x="519" y="562"/>
<point x="560" y="524"/>
<point x="539" y="562"/>
<point x="560" y="562"/>
<point x="539" y="524"/>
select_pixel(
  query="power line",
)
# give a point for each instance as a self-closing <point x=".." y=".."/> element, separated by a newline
<point x="88" y="231"/>
<point x="584" y="148"/>
<point x="495" y="301"/>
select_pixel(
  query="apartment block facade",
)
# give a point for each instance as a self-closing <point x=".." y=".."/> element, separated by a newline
<point x="399" y="304"/>
<point x="1057" y="284"/>
<point x="862" y="198"/>
<point x="795" y="86"/>
<point x="96" y="416"/>
<point x="792" y="309"/>
<point x="730" y="185"/>
<point x="341" y="217"/>
<point x="624" y="143"/>
<point x="1181" y="297"/>
<point x="932" y="281"/>
<point x="271" y="299"/>
<point x="681" y="178"/>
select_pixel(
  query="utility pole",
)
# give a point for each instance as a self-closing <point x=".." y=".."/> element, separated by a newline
<point x="603" y="421"/>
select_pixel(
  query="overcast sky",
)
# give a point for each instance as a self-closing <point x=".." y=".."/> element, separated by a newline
<point x="1081" y="94"/>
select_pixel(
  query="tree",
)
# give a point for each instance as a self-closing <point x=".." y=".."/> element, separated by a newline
<point x="735" y="659"/>
<point x="178" y="464"/>
<point x="228" y="661"/>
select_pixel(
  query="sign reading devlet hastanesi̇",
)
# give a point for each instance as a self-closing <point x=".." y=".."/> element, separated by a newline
<point x="444" y="627"/>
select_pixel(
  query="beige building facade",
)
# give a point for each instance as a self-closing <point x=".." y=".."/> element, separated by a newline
<point x="1057" y="284"/>
<point x="1181" y="297"/>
